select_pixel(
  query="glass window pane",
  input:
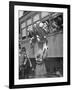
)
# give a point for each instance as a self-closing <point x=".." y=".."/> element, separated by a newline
<point x="23" y="25"/>
<point x="24" y="32"/>
<point x="43" y="14"/>
<point x="29" y="21"/>
<point x="36" y="17"/>
<point x="29" y="28"/>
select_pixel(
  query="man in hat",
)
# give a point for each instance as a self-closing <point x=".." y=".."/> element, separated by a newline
<point x="27" y="63"/>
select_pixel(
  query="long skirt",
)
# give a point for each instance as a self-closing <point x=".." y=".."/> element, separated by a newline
<point x="40" y="70"/>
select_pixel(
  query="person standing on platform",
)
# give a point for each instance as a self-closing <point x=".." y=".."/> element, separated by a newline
<point x="27" y="63"/>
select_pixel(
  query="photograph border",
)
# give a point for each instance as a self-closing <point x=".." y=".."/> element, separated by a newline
<point x="11" y="43"/>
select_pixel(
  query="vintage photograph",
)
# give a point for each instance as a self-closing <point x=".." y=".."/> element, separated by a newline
<point x="40" y="44"/>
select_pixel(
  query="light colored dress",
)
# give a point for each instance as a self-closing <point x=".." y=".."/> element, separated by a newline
<point x="40" y="70"/>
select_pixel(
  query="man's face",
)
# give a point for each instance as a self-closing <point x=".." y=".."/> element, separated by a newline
<point x="23" y="52"/>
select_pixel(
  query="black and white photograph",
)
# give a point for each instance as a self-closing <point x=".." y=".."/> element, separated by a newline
<point x="40" y="44"/>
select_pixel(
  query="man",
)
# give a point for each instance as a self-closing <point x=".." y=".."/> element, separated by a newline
<point x="26" y="63"/>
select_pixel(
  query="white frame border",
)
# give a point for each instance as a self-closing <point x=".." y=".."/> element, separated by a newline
<point x="18" y="81"/>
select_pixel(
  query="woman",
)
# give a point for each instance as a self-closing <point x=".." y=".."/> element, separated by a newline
<point x="40" y="70"/>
